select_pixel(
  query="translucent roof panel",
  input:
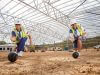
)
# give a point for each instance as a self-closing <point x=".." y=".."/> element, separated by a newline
<point x="48" y="20"/>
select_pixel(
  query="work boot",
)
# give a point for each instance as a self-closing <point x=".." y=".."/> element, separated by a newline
<point x="20" y="53"/>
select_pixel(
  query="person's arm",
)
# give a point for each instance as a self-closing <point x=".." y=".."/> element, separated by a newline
<point x="29" y="36"/>
<point x="30" y="39"/>
<point x="71" y="36"/>
<point x="13" y="36"/>
<point x="83" y="31"/>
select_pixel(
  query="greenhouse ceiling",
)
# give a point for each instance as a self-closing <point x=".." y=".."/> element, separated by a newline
<point x="48" y="20"/>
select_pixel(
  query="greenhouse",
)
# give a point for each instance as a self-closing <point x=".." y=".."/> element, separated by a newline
<point x="49" y="32"/>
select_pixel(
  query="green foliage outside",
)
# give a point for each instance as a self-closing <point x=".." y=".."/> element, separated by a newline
<point x="2" y="42"/>
<point x="90" y="42"/>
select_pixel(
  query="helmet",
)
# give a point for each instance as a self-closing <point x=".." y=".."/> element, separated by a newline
<point x="72" y="21"/>
<point x="17" y="23"/>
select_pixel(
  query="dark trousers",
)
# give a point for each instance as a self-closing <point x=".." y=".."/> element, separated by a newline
<point x="21" y="44"/>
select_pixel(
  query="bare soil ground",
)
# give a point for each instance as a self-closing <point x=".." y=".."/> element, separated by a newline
<point x="52" y="63"/>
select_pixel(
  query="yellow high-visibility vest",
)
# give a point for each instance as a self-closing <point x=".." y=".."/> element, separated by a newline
<point x="79" y="29"/>
<point x="23" y="34"/>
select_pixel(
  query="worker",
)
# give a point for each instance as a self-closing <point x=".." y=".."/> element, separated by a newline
<point x="77" y="34"/>
<point x="20" y="36"/>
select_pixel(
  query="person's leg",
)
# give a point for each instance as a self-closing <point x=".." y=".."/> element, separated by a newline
<point x="20" y="46"/>
<point x="79" y="45"/>
<point x="75" y="45"/>
<point x="17" y="48"/>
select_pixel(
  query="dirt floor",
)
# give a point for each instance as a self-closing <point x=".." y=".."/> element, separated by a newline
<point x="52" y="63"/>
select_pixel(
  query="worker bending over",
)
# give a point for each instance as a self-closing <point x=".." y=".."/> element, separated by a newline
<point x="20" y="36"/>
<point x="77" y="34"/>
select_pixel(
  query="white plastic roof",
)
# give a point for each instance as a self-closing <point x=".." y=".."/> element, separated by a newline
<point x="47" y="20"/>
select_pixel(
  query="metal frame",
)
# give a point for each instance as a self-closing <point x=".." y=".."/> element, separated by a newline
<point x="49" y="19"/>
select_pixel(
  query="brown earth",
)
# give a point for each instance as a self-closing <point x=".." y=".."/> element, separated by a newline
<point x="52" y="63"/>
